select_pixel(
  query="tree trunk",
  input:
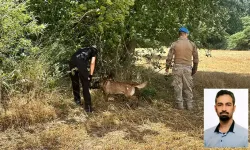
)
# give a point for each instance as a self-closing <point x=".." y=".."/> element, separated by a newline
<point x="0" y="89"/>
<point x="1" y="100"/>
<point x="128" y="50"/>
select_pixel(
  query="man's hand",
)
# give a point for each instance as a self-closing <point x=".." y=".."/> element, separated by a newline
<point x="194" y="69"/>
<point x="167" y="71"/>
<point x="90" y="78"/>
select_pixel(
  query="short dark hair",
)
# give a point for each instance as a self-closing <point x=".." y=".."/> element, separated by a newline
<point x="225" y="92"/>
<point x="182" y="33"/>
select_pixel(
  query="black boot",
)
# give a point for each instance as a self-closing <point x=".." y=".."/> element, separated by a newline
<point x="88" y="108"/>
<point x="77" y="101"/>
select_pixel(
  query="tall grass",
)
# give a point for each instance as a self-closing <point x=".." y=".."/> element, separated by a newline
<point x="52" y="121"/>
<point x="20" y="113"/>
<point x="23" y="100"/>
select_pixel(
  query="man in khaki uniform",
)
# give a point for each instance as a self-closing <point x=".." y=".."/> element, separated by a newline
<point x="183" y="50"/>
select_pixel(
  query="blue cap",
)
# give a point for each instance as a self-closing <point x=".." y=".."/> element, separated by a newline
<point x="183" y="29"/>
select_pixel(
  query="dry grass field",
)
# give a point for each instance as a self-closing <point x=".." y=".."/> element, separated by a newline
<point x="226" y="61"/>
<point x="51" y="121"/>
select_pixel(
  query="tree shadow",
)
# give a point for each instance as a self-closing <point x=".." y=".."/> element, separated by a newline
<point x="192" y="121"/>
<point x="159" y="107"/>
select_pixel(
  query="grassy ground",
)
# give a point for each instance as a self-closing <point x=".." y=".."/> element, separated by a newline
<point x="53" y="121"/>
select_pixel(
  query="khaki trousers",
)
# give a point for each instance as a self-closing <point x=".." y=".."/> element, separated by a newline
<point x="183" y="84"/>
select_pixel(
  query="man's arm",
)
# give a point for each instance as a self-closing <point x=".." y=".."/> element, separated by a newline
<point x="206" y="132"/>
<point x="245" y="143"/>
<point x="92" y="67"/>
<point x="195" y="60"/>
<point x="169" y="58"/>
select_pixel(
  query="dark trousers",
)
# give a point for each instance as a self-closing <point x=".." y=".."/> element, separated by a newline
<point x="81" y="74"/>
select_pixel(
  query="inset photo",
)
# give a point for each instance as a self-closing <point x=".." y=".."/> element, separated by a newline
<point x="225" y="118"/>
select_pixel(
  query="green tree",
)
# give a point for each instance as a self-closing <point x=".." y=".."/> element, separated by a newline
<point x="18" y="28"/>
<point x="118" y="26"/>
<point x="159" y="20"/>
<point x="81" y="23"/>
<point x="155" y="23"/>
<point x="230" y="22"/>
<point x="241" y="40"/>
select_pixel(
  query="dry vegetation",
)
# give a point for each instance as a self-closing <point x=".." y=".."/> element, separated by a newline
<point x="53" y="121"/>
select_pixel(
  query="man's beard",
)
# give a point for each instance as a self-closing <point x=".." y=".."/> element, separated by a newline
<point x="224" y="117"/>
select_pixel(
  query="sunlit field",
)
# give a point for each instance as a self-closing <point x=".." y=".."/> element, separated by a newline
<point x="226" y="61"/>
<point x="53" y="121"/>
<point x="40" y="40"/>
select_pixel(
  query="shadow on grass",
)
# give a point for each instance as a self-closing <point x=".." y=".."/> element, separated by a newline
<point x="137" y="135"/>
<point x="160" y="107"/>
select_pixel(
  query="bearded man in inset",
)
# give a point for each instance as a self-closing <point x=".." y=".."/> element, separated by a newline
<point x="227" y="133"/>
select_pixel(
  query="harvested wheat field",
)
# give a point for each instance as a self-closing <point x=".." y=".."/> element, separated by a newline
<point x="51" y="120"/>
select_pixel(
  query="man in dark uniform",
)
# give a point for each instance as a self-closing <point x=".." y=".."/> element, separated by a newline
<point x="78" y="64"/>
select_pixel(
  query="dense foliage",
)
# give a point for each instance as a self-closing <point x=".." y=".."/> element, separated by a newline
<point x="47" y="32"/>
<point x="17" y="47"/>
<point x="241" y="40"/>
